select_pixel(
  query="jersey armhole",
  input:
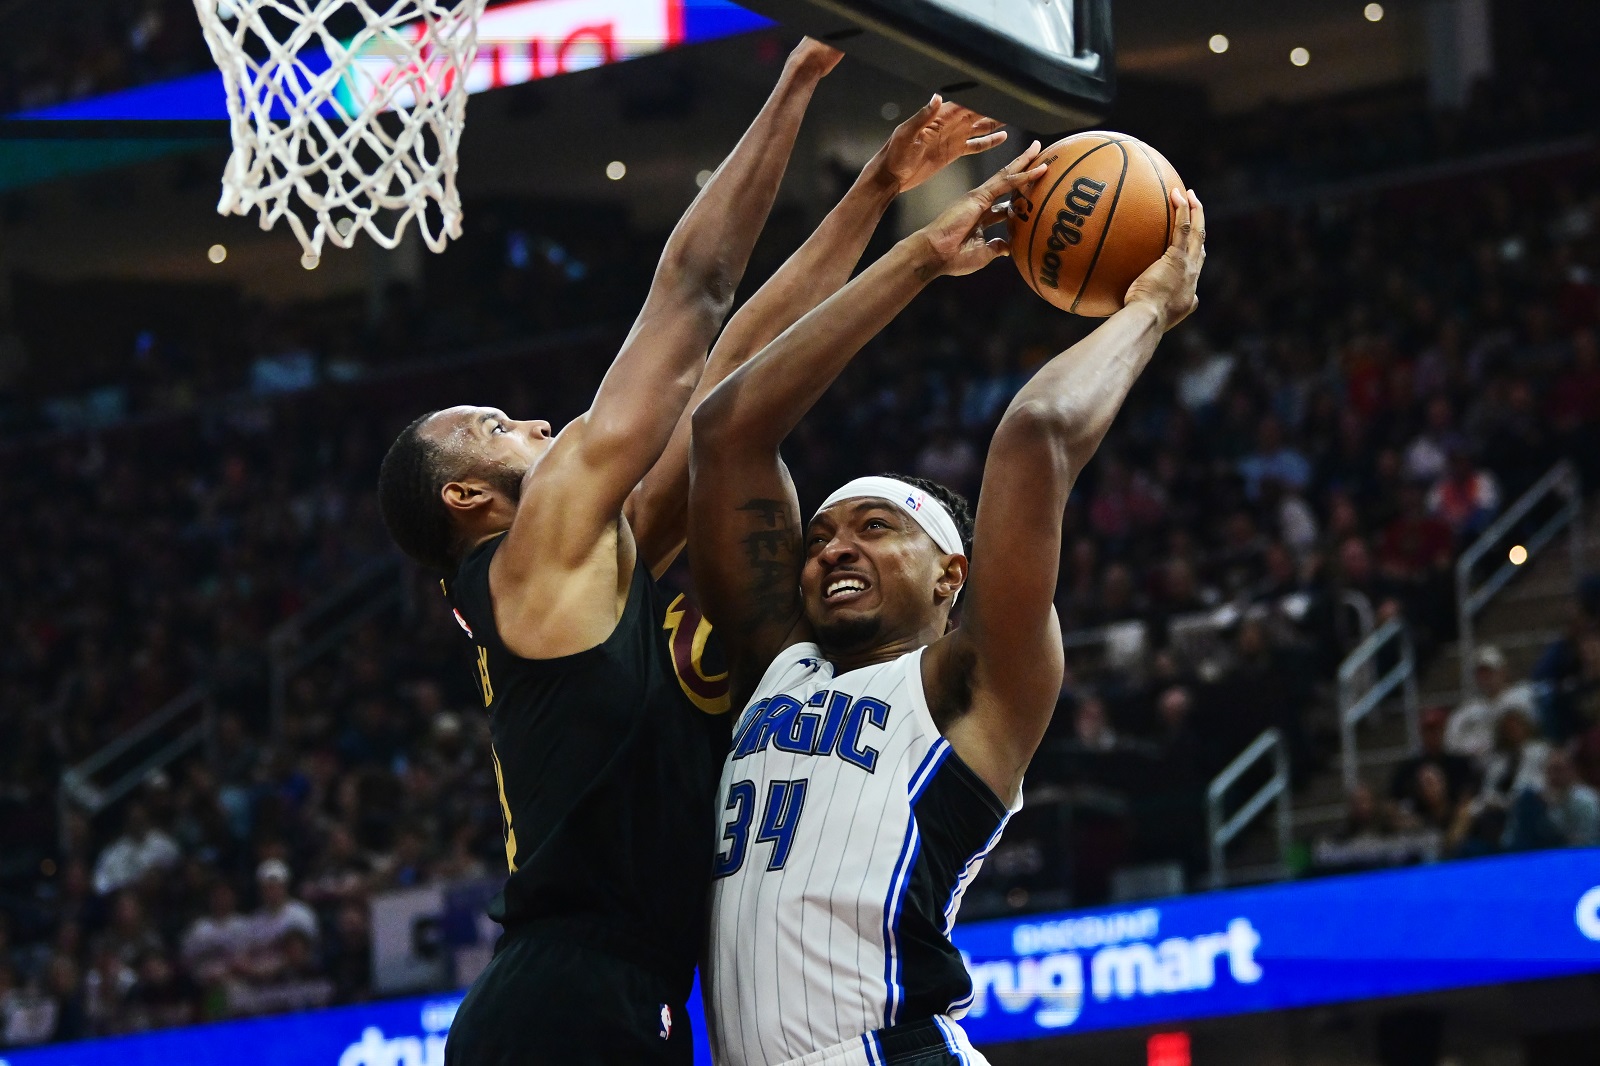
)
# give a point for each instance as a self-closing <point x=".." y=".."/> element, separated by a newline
<point x="488" y="630"/>
<point x="914" y="680"/>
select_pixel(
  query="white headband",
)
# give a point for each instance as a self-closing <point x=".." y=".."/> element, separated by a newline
<point x="925" y="510"/>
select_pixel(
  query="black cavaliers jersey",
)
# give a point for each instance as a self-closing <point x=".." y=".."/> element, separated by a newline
<point x="608" y="763"/>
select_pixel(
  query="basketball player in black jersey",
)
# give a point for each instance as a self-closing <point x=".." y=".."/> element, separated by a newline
<point x="607" y="733"/>
<point x="866" y="583"/>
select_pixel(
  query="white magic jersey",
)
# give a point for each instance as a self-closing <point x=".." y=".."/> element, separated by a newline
<point x="849" y="832"/>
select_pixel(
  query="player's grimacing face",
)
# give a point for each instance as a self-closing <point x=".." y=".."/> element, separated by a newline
<point x="870" y="574"/>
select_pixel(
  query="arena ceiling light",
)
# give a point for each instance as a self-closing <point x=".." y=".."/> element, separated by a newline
<point x="1373" y="12"/>
<point x="1218" y="43"/>
<point x="1300" y="56"/>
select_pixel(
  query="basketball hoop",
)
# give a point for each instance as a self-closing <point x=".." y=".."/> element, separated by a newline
<point x="304" y="107"/>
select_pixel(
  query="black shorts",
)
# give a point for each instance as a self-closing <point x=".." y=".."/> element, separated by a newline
<point x="550" y="996"/>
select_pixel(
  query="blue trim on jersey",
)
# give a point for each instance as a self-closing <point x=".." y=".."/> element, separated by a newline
<point x="901" y="881"/>
<point x="966" y="871"/>
<point x="873" y="1048"/>
<point x="950" y="1040"/>
<point x="927" y="768"/>
<point x="898" y="885"/>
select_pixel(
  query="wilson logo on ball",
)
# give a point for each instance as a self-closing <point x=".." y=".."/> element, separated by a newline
<point x="1080" y="204"/>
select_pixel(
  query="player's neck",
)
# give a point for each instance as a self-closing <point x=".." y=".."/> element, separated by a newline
<point x="878" y="652"/>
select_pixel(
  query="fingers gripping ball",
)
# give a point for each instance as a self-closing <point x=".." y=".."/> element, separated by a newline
<point x="1099" y="216"/>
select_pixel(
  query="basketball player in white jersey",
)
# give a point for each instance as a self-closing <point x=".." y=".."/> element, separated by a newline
<point x="881" y="751"/>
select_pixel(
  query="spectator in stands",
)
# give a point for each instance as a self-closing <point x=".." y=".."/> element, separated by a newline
<point x="215" y="941"/>
<point x="348" y="959"/>
<point x="1428" y="454"/>
<point x="1562" y="813"/>
<point x="105" y="989"/>
<point x="1518" y="759"/>
<point x="949" y="459"/>
<point x="1457" y="772"/>
<point x="1466" y="497"/>
<point x="286" y="977"/>
<point x="1427" y="804"/>
<point x="1274" y="458"/>
<point x="141" y="848"/>
<point x="65" y="988"/>
<point x="1471" y="730"/>
<point x="162" y="995"/>
<point x="130" y="934"/>
<point x="1569" y="672"/>
<point x="1416" y="548"/>
<point x="1364" y="817"/>
<point x="280" y="913"/>
<point x="340" y="874"/>
<point x="1575" y="405"/>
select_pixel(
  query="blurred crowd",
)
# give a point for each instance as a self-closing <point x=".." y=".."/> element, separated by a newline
<point x="1371" y="379"/>
<point x="70" y="49"/>
<point x="1514" y="767"/>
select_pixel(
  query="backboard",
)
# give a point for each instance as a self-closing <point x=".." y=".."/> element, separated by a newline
<point x="1040" y="64"/>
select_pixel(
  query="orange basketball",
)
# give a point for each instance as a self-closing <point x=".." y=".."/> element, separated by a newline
<point x="1094" y="222"/>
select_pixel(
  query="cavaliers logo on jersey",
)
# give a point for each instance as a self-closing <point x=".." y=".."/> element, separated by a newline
<point x="688" y="634"/>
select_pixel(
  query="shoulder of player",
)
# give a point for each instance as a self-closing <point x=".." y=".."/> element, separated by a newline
<point x="547" y="604"/>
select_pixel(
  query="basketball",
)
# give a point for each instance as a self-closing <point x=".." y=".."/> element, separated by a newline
<point x="1094" y="222"/>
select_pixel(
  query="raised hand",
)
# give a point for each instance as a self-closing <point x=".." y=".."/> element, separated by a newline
<point x="814" y="58"/>
<point x="1169" y="284"/>
<point x="932" y="139"/>
<point x="956" y="237"/>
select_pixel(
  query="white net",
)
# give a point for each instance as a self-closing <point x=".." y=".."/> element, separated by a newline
<point x="346" y="115"/>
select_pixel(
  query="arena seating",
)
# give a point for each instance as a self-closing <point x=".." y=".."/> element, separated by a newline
<point x="1375" y="371"/>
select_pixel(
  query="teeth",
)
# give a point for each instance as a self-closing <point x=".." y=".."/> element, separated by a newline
<point x="846" y="585"/>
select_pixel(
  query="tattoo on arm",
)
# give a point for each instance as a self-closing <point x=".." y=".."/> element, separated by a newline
<point x="770" y="557"/>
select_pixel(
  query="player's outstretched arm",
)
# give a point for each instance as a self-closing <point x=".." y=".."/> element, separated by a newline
<point x="576" y="492"/>
<point x="919" y="148"/>
<point x="745" y="528"/>
<point x="997" y="677"/>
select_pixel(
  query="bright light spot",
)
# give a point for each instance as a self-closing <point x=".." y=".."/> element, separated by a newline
<point x="701" y="178"/>
<point x="616" y="170"/>
<point x="216" y="253"/>
<point x="1218" y="43"/>
<point x="1374" y="12"/>
<point x="344" y="226"/>
<point x="1300" y="57"/>
<point x="310" y="261"/>
<point x="1519" y="555"/>
<point x="890" y="111"/>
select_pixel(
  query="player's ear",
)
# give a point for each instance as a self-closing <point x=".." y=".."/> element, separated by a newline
<point x="464" y="497"/>
<point x="953" y="577"/>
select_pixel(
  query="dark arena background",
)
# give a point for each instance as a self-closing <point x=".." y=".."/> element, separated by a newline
<point x="1320" y="788"/>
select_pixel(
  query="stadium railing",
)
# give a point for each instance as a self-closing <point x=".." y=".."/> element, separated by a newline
<point x="322" y="626"/>
<point x="1363" y="688"/>
<point x="1222" y="831"/>
<point x="123" y="763"/>
<point x="1473" y="598"/>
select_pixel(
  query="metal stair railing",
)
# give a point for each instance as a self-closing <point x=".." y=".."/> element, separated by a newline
<point x="1361" y="692"/>
<point x="1222" y="830"/>
<point x="321" y="626"/>
<point x="120" y="765"/>
<point x="1562" y="479"/>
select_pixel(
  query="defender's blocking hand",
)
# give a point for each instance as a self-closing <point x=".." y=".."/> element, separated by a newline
<point x="956" y="237"/>
<point x="930" y="140"/>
